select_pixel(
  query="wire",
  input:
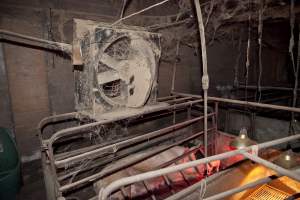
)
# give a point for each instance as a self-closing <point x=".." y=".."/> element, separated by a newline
<point x="123" y="8"/>
<point x="202" y="189"/>
<point x="212" y="4"/>
<point x="296" y="70"/>
<point x="295" y="90"/>
<point x="247" y="57"/>
<point x="175" y="66"/>
<point x="237" y="62"/>
<point x="260" y="35"/>
<point x="292" y="39"/>
<point x="139" y="12"/>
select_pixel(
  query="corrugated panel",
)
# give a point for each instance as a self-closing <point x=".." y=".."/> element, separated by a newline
<point x="267" y="192"/>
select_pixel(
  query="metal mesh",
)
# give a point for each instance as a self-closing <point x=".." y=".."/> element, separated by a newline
<point x="267" y="192"/>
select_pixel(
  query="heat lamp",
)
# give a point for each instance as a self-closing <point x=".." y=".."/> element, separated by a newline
<point x="288" y="160"/>
<point x="242" y="140"/>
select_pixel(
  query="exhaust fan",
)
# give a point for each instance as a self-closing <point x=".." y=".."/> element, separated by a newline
<point x="118" y="69"/>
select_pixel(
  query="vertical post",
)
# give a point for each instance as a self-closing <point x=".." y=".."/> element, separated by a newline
<point x="216" y="114"/>
<point x="215" y="133"/>
<point x="205" y="78"/>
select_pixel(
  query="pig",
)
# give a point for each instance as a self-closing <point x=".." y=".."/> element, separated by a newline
<point x="138" y="189"/>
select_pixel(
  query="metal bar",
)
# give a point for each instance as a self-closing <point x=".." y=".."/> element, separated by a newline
<point x="247" y="103"/>
<point x="205" y="77"/>
<point x="267" y="88"/>
<point x="184" y="177"/>
<point x="162" y="99"/>
<point x="273" y="166"/>
<point x="216" y="114"/>
<point x="56" y="118"/>
<point x="167" y="181"/>
<point x="178" y="100"/>
<point x="152" y="174"/>
<point x="74" y="130"/>
<point x="124" y="193"/>
<point x="52" y="119"/>
<point x="177" y="159"/>
<point x="129" y="142"/>
<point x="245" y="187"/>
<point x="141" y="158"/>
<point x="149" y="191"/>
<point x="185" y="192"/>
<point x="34" y="41"/>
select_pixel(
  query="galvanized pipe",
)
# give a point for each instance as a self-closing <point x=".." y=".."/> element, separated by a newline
<point x="266" y="87"/>
<point x="53" y="119"/>
<point x="113" y="170"/>
<point x="247" y="103"/>
<point x="162" y="99"/>
<point x="74" y="130"/>
<point x="129" y="142"/>
<point x="114" y="186"/>
<point x="187" y="191"/>
<point x="205" y="77"/>
<point x="34" y="41"/>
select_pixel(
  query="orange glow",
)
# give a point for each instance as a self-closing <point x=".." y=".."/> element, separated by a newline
<point x="256" y="173"/>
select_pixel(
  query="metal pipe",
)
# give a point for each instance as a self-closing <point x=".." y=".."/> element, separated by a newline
<point x="104" y="194"/>
<point x="74" y="130"/>
<point x="185" y="192"/>
<point x="116" y="146"/>
<point x="272" y="166"/>
<point x="266" y="87"/>
<point x="178" y="100"/>
<point x="253" y="184"/>
<point x="162" y="99"/>
<point x="114" y="186"/>
<point x="52" y="119"/>
<point x="247" y="103"/>
<point x="205" y="77"/>
<point x="125" y="165"/>
<point x="37" y="42"/>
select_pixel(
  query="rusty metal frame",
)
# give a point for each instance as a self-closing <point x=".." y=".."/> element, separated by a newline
<point x="51" y="164"/>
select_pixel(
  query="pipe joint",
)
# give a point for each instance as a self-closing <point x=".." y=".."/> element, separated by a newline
<point x="205" y="82"/>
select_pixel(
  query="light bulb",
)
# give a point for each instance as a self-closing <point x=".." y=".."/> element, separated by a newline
<point x="287" y="157"/>
<point x="243" y="136"/>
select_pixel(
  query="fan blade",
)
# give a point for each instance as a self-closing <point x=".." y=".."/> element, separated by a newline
<point x="111" y="62"/>
<point x="106" y="77"/>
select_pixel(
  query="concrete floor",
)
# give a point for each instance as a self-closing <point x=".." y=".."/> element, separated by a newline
<point x="33" y="183"/>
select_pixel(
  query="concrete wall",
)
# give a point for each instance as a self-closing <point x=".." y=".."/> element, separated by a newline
<point x="41" y="83"/>
<point x="6" y="118"/>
